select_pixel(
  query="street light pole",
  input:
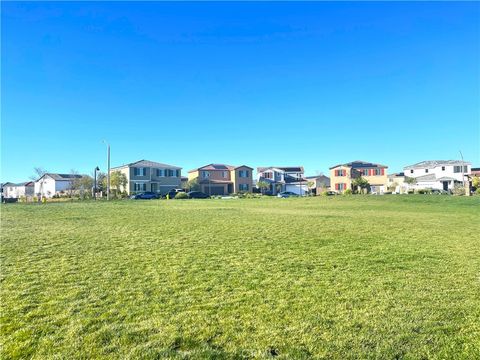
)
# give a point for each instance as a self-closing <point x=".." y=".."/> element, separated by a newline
<point x="95" y="183"/>
<point x="108" y="169"/>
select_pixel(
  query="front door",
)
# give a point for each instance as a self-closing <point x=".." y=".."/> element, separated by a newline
<point x="154" y="187"/>
<point x="445" y="185"/>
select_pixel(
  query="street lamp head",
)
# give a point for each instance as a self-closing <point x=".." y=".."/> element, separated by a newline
<point x="97" y="168"/>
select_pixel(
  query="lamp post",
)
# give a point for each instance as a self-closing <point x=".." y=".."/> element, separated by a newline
<point x="108" y="169"/>
<point x="95" y="182"/>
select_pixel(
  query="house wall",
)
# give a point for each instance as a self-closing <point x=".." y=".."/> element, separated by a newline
<point x="17" y="191"/>
<point x="237" y="180"/>
<point x="45" y="187"/>
<point x="347" y="179"/>
<point x="448" y="172"/>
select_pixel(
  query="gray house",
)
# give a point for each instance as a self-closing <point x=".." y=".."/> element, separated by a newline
<point x="145" y="175"/>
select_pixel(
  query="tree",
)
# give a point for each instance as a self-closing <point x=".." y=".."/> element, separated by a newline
<point x="193" y="185"/>
<point x="476" y="182"/>
<point x="38" y="172"/>
<point x="410" y="180"/>
<point x="101" y="181"/>
<point x="118" y="181"/>
<point x="263" y="185"/>
<point x="310" y="185"/>
<point x="360" y="183"/>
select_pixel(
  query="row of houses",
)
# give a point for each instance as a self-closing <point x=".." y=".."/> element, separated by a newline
<point x="222" y="179"/>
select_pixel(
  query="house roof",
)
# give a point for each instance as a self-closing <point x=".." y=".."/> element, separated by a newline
<point x="430" y="164"/>
<point x="220" y="167"/>
<point x="147" y="163"/>
<point x="359" y="164"/>
<point x="282" y="168"/>
<point x="428" y="177"/>
<point x="399" y="174"/>
<point x="61" y="177"/>
<point x="320" y="178"/>
<point x="26" y="183"/>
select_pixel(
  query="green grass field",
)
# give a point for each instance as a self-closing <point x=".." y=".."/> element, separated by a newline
<point x="339" y="277"/>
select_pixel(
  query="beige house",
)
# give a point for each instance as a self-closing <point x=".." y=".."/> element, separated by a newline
<point x="342" y="176"/>
<point x="221" y="179"/>
<point x="145" y="175"/>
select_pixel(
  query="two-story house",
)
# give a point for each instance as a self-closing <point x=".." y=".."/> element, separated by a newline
<point x="281" y="178"/>
<point x="145" y="175"/>
<point x="221" y="179"/>
<point x="438" y="174"/>
<point x="15" y="191"/>
<point x="343" y="175"/>
<point x="50" y="184"/>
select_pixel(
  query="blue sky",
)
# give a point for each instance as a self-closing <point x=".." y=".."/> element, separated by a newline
<point x="260" y="84"/>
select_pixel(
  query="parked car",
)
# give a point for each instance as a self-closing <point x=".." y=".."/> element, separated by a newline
<point x="172" y="193"/>
<point x="197" y="195"/>
<point x="287" y="194"/>
<point x="145" y="196"/>
<point x="331" y="193"/>
<point x="440" y="192"/>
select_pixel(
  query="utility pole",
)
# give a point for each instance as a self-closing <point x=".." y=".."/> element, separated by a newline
<point x="108" y="169"/>
<point x="467" y="191"/>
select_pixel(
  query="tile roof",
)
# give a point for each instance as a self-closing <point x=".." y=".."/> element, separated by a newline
<point x="147" y="163"/>
<point x="283" y="168"/>
<point x="359" y="164"/>
<point x="223" y="167"/>
<point x="429" y="164"/>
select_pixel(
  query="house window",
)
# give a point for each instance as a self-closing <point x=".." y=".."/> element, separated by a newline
<point x="458" y="169"/>
<point x="244" y="173"/>
<point x="177" y="173"/>
<point x="139" y="171"/>
<point x="139" y="187"/>
<point x="224" y="174"/>
<point x="243" y="187"/>
<point x="426" y="170"/>
<point x="341" y="172"/>
<point x="268" y="175"/>
<point x="443" y="168"/>
<point x="205" y="174"/>
<point x="411" y="171"/>
<point x="340" y="186"/>
<point x="160" y="172"/>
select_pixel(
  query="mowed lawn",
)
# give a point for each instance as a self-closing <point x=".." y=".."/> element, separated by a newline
<point x="385" y="277"/>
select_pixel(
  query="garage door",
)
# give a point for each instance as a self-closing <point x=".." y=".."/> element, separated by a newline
<point x="216" y="190"/>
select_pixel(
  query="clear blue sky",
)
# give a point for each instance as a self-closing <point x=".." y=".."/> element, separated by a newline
<point x="261" y="84"/>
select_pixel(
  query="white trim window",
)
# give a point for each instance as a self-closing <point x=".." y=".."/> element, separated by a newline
<point x="245" y="173"/>
<point x="243" y="187"/>
<point x="161" y="172"/>
<point x="224" y="174"/>
<point x="139" y="186"/>
<point x="205" y="174"/>
<point x="139" y="171"/>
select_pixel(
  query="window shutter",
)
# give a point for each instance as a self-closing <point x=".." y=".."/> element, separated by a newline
<point x="383" y="171"/>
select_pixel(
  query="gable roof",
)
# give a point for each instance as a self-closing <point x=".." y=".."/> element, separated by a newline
<point x="320" y="178"/>
<point x="61" y="177"/>
<point x="430" y="164"/>
<point x="147" y="163"/>
<point x="359" y="164"/>
<point x="26" y="183"/>
<point x="282" y="168"/>
<point x="220" y="167"/>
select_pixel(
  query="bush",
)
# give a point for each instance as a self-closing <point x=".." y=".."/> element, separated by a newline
<point x="348" y="192"/>
<point x="181" y="195"/>
<point x="424" y="191"/>
<point x="458" y="190"/>
<point x="477" y="191"/>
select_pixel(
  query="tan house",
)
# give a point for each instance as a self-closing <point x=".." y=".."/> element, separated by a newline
<point x="145" y="175"/>
<point x="342" y="176"/>
<point x="221" y="179"/>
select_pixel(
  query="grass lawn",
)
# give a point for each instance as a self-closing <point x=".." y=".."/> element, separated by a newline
<point x="339" y="277"/>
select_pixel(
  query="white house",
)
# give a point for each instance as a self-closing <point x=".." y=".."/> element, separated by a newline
<point x="283" y="179"/>
<point x="15" y="191"/>
<point x="50" y="184"/>
<point x="438" y="174"/>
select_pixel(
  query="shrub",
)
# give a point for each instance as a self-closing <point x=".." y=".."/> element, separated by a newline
<point x="348" y="192"/>
<point x="424" y="191"/>
<point x="477" y="191"/>
<point x="458" y="190"/>
<point x="324" y="193"/>
<point x="181" y="195"/>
